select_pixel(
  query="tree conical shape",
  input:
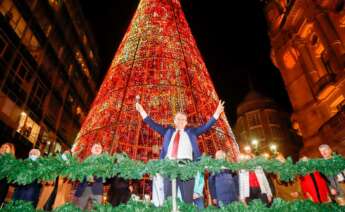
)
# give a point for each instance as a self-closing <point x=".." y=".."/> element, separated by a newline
<point x="159" y="61"/>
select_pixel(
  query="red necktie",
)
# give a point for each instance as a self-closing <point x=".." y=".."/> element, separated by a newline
<point x="175" y="145"/>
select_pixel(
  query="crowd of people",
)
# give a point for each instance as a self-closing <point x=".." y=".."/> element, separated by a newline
<point x="180" y="143"/>
<point x="48" y="195"/>
<point x="222" y="188"/>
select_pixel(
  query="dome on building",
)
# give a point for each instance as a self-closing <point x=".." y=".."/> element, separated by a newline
<point x="255" y="100"/>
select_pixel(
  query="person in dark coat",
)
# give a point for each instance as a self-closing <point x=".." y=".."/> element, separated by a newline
<point x="118" y="191"/>
<point x="90" y="188"/>
<point x="223" y="185"/>
<point x="29" y="192"/>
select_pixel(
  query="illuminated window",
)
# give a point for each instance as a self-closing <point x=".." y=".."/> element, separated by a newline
<point x="5" y="6"/>
<point x="290" y="58"/>
<point x="28" y="128"/>
<point x="90" y="54"/>
<point x="337" y="105"/>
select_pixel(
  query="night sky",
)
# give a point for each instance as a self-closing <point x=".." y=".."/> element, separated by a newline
<point x="231" y="35"/>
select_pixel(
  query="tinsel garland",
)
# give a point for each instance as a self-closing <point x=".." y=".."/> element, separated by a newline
<point x="278" y="205"/>
<point x="106" y="166"/>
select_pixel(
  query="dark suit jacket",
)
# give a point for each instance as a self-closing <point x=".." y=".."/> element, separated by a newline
<point x="96" y="187"/>
<point x="224" y="186"/>
<point x="29" y="192"/>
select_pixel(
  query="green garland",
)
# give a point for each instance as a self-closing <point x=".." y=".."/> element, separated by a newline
<point x="278" y="205"/>
<point x="106" y="166"/>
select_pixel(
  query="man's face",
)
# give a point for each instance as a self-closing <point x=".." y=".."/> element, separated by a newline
<point x="180" y="121"/>
<point x="96" y="149"/>
<point x="247" y="150"/>
<point x="35" y="152"/>
<point x="326" y="152"/>
<point x="5" y="149"/>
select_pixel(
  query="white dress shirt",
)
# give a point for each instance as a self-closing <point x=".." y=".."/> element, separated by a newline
<point x="185" y="150"/>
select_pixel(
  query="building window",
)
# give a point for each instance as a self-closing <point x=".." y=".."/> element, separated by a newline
<point x="5" y="6"/>
<point x="39" y="93"/>
<point x="253" y="119"/>
<point x="273" y="117"/>
<point x="28" y="128"/>
<point x="257" y="133"/>
<point x="277" y="132"/>
<point x="3" y="46"/>
<point x="337" y="105"/>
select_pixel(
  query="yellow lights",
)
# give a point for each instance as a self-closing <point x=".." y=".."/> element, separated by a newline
<point x="247" y="148"/>
<point x="255" y="142"/>
<point x="82" y="63"/>
<point x="273" y="147"/>
<point x="266" y="155"/>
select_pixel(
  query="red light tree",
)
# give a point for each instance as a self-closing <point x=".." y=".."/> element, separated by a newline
<point x="158" y="60"/>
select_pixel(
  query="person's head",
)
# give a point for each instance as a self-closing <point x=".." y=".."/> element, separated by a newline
<point x="96" y="149"/>
<point x="7" y="148"/>
<point x="220" y="155"/>
<point x="65" y="154"/>
<point x="34" y="154"/>
<point x="244" y="157"/>
<point x="131" y="188"/>
<point x="180" y="120"/>
<point x="247" y="150"/>
<point x="304" y="158"/>
<point x="280" y="157"/>
<point x="325" y="151"/>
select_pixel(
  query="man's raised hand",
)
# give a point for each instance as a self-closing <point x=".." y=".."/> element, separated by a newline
<point x="139" y="107"/>
<point x="220" y="107"/>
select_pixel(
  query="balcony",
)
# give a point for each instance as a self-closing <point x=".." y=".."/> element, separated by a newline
<point x="325" y="86"/>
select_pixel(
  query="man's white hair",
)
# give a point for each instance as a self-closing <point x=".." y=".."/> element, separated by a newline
<point x="324" y="146"/>
<point x="182" y="113"/>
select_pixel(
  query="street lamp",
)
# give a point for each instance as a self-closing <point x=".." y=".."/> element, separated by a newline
<point x="255" y="144"/>
<point x="273" y="148"/>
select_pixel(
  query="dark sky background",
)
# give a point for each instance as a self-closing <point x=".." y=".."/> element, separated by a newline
<point x="231" y="35"/>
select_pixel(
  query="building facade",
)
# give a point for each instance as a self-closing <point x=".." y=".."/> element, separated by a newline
<point x="49" y="69"/>
<point x="263" y="125"/>
<point x="307" y="39"/>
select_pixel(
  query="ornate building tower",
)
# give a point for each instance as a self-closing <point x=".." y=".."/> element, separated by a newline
<point x="158" y="60"/>
<point x="260" y="119"/>
<point x="307" y="39"/>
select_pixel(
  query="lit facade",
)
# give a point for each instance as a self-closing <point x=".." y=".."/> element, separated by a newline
<point x="260" y="119"/>
<point x="49" y="73"/>
<point x="307" y="39"/>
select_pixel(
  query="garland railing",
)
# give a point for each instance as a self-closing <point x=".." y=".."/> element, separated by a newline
<point x="278" y="205"/>
<point x="48" y="168"/>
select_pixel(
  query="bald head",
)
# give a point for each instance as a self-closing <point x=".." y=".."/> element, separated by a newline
<point x="220" y="155"/>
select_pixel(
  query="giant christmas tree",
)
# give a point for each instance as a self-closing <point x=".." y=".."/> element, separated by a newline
<point x="159" y="61"/>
